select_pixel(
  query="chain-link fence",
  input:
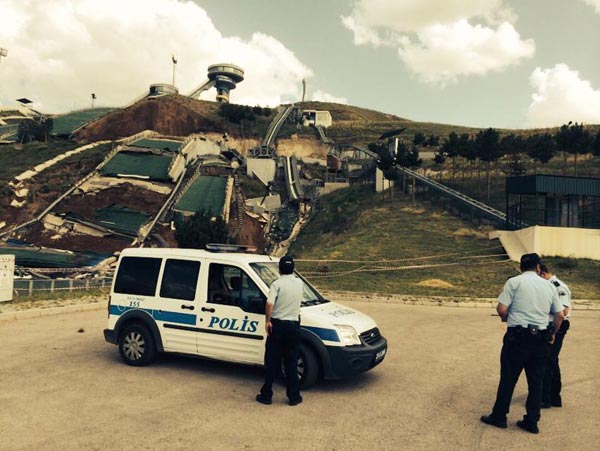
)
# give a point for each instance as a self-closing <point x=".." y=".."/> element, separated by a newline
<point x="29" y="287"/>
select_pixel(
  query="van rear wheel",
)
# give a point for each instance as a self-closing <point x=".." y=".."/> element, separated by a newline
<point x="136" y="345"/>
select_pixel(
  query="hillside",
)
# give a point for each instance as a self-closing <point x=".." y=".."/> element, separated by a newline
<point x="357" y="238"/>
<point x="172" y="115"/>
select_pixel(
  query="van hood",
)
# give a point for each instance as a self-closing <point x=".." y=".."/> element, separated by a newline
<point x="331" y="313"/>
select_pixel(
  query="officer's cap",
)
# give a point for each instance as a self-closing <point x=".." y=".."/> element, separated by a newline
<point x="286" y="265"/>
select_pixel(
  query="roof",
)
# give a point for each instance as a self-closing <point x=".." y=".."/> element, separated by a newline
<point x="162" y="252"/>
<point x="553" y="184"/>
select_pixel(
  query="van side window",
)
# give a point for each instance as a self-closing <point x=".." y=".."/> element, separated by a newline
<point x="138" y="275"/>
<point x="229" y="285"/>
<point x="180" y="278"/>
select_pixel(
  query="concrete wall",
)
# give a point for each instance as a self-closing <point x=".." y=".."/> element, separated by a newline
<point x="198" y="146"/>
<point x="551" y="242"/>
<point x="177" y="168"/>
<point x="381" y="184"/>
<point x="330" y="187"/>
<point x="262" y="168"/>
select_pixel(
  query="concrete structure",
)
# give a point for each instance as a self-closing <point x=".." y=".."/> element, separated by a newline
<point x="316" y="117"/>
<point x="7" y="271"/>
<point x="161" y="89"/>
<point x="224" y="77"/>
<point x="261" y="168"/>
<point x="550" y="241"/>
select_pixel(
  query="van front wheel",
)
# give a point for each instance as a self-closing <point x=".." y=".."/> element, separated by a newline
<point x="136" y="345"/>
<point x="308" y="367"/>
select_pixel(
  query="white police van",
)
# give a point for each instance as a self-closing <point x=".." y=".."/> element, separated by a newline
<point x="212" y="304"/>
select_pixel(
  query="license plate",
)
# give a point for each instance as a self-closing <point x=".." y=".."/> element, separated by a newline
<point x="380" y="355"/>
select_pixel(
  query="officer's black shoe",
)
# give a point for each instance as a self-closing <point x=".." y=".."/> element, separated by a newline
<point x="556" y="402"/>
<point x="263" y="399"/>
<point x="529" y="427"/>
<point x="545" y="405"/>
<point x="494" y="421"/>
<point x="295" y="401"/>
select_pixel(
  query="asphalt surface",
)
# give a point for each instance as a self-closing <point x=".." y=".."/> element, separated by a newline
<point x="65" y="389"/>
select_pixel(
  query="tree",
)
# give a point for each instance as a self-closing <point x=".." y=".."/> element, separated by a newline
<point x="451" y="149"/>
<point x="199" y="230"/>
<point x="432" y="141"/>
<point x="541" y="148"/>
<point x="513" y="146"/>
<point x="487" y="144"/>
<point x="36" y="129"/>
<point x="466" y="150"/>
<point x="419" y="139"/>
<point x="574" y="139"/>
<point x="595" y="146"/>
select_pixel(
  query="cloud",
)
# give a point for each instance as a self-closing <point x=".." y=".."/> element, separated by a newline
<point x="60" y="54"/>
<point x="595" y="4"/>
<point x="321" y="96"/>
<point x="441" y="41"/>
<point x="561" y="96"/>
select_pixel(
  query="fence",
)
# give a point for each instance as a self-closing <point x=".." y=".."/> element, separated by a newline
<point x="29" y="287"/>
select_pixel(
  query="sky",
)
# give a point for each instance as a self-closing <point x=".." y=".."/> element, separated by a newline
<point x="482" y="63"/>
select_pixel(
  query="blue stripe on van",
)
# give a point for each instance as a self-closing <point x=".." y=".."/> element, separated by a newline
<point x="323" y="334"/>
<point x="158" y="315"/>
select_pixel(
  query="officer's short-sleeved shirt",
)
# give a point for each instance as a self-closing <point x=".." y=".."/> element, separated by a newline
<point x="286" y="296"/>
<point x="564" y="294"/>
<point x="530" y="299"/>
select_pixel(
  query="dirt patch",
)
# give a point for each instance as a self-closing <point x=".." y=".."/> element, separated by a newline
<point x="435" y="283"/>
<point x="413" y="210"/>
<point x="302" y="147"/>
<point x="470" y="233"/>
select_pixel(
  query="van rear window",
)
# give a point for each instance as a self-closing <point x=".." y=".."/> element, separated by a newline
<point x="138" y="275"/>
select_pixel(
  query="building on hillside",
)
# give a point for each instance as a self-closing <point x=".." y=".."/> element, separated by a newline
<point x="316" y="118"/>
<point x="551" y="200"/>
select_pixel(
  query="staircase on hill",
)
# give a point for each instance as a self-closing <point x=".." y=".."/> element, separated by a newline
<point x="487" y="211"/>
<point x="239" y="202"/>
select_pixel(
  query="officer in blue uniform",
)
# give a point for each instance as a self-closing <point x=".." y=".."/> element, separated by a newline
<point x="282" y="324"/>
<point x="524" y="304"/>
<point x="552" y="379"/>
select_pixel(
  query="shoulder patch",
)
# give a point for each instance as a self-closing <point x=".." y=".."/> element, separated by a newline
<point x="555" y="283"/>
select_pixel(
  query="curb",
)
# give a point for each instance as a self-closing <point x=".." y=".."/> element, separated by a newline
<point x="36" y="313"/>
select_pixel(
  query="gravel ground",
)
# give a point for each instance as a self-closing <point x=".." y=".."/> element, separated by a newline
<point x="65" y="388"/>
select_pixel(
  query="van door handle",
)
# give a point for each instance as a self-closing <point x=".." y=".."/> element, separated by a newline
<point x="211" y="310"/>
<point x="189" y="307"/>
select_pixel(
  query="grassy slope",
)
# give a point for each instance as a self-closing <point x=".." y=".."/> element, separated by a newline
<point x="355" y="224"/>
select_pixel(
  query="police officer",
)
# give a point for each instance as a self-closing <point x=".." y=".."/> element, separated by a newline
<point x="524" y="304"/>
<point x="552" y="381"/>
<point x="282" y="324"/>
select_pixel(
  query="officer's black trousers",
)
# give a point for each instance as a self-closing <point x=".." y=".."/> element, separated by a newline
<point x="284" y="341"/>
<point x="552" y="380"/>
<point x="521" y="350"/>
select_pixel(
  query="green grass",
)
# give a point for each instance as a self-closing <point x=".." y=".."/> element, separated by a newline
<point x="17" y="158"/>
<point x="355" y="224"/>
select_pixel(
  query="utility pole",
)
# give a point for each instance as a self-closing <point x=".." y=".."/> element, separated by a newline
<point x="174" y="64"/>
<point x="93" y="98"/>
<point x="3" y="53"/>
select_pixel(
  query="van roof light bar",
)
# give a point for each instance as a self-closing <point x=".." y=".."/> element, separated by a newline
<point x="219" y="247"/>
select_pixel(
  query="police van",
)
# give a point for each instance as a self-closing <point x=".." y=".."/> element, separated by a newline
<point x="211" y="303"/>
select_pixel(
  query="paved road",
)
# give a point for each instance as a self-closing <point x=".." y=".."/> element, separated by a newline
<point x="61" y="389"/>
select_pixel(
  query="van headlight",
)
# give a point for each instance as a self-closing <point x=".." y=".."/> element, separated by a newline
<point x="348" y="335"/>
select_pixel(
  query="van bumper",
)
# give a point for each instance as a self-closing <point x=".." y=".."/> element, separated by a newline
<point x="110" y="336"/>
<point x="348" y="361"/>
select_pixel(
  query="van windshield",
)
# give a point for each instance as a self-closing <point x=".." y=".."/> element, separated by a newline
<point x="269" y="272"/>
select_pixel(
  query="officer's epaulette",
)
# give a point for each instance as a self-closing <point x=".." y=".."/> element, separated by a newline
<point x="514" y="275"/>
<point x="555" y="283"/>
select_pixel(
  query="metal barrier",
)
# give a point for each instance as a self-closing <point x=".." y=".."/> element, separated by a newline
<point x="29" y="287"/>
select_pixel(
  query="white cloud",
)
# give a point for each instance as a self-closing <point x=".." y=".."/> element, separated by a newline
<point x="441" y="41"/>
<point x="595" y="4"/>
<point x="59" y="55"/>
<point x="321" y="96"/>
<point x="561" y="96"/>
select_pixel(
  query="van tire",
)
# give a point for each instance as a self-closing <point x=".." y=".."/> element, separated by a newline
<point x="308" y="367"/>
<point x="136" y="345"/>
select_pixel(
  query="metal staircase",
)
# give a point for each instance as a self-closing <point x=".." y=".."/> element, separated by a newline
<point x="487" y="211"/>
